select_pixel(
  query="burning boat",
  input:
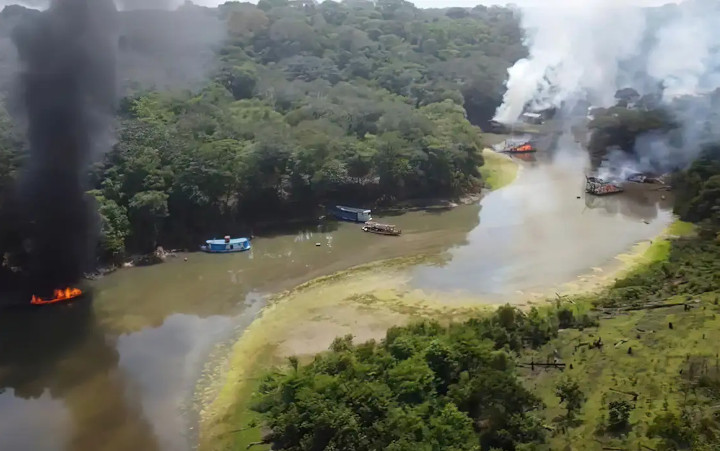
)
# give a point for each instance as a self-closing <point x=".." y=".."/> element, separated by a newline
<point x="599" y="187"/>
<point x="58" y="296"/>
<point x="519" y="148"/>
<point x="381" y="229"/>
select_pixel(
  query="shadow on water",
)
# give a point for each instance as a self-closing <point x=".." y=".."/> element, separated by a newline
<point x="46" y="355"/>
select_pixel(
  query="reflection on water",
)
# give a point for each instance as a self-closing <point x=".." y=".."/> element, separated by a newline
<point x="115" y="373"/>
<point x="83" y="389"/>
<point x="216" y="284"/>
<point x="543" y="231"/>
<point x="58" y="360"/>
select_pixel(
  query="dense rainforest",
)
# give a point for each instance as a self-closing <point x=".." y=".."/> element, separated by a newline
<point x="359" y="102"/>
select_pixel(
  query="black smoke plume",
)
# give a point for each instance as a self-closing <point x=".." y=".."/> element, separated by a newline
<point x="68" y="57"/>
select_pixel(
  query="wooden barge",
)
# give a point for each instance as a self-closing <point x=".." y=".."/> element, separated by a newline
<point x="381" y="229"/>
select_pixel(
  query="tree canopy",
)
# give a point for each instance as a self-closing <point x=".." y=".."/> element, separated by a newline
<point x="424" y="386"/>
<point x="305" y="103"/>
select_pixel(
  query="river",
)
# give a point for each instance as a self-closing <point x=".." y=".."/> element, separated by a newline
<point x="116" y="372"/>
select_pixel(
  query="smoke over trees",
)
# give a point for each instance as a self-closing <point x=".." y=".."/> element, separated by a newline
<point x="592" y="50"/>
<point x="68" y="80"/>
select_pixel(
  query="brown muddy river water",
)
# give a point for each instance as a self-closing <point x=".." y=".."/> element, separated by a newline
<point x="117" y="372"/>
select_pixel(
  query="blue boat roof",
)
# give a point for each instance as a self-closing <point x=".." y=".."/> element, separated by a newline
<point x="232" y="241"/>
<point x="352" y="209"/>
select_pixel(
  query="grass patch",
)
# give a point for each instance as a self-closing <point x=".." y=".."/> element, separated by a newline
<point x="231" y="424"/>
<point x="681" y="228"/>
<point x="659" y="249"/>
<point x="248" y="422"/>
<point x="652" y="371"/>
<point x="499" y="170"/>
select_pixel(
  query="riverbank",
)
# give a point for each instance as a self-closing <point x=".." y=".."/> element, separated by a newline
<point x="363" y="301"/>
<point x="499" y="169"/>
<point x="658" y="361"/>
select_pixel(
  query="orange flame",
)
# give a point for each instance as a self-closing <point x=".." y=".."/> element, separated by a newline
<point x="58" y="296"/>
<point x="524" y="148"/>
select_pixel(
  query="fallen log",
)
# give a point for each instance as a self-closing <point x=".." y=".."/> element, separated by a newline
<point x="579" y="345"/>
<point x="629" y="393"/>
<point x="554" y="365"/>
<point x="621" y="342"/>
<point x="644" y="307"/>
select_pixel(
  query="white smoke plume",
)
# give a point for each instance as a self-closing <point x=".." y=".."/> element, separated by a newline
<point x="588" y="50"/>
<point x="685" y="56"/>
<point x="585" y="51"/>
<point x="575" y="50"/>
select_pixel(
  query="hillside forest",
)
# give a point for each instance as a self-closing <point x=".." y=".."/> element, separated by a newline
<point x="304" y="104"/>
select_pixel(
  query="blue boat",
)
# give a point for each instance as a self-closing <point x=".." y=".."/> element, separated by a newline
<point x="350" y="213"/>
<point x="226" y="245"/>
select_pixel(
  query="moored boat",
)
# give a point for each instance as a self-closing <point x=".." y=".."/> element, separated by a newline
<point x="350" y="214"/>
<point x="226" y="245"/>
<point x="381" y="229"/>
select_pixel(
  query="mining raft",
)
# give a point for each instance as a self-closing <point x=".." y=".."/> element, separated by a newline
<point x="526" y="147"/>
<point x="600" y="187"/>
<point x="639" y="177"/>
<point x="381" y="229"/>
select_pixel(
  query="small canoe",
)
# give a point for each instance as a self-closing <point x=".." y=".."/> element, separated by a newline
<point x="226" y="245"/>
<point x="381" y="229"/>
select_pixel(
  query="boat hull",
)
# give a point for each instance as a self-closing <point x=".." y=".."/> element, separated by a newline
<point x="380" y="232"/>
<point x="224" y="251"/>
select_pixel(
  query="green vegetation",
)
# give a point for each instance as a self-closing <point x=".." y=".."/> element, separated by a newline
<point x="424" y="386"/>
<point x="619" y="127"/>
<point x="351" y="102"/>
<point x="633" y="366"/>
<point x="699" y="191"/>
<point x="570" y="394"/>
<point x="360" y="102"/>
<point x="499" y="170"/>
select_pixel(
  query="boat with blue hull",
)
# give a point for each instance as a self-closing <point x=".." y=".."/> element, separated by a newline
<point x="226" y="245"/>
<point x="350" y="214"/>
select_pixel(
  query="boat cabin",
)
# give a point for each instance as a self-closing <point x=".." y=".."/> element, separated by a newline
<point x="350" y="213"/>
<point x="227" y="244"/>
